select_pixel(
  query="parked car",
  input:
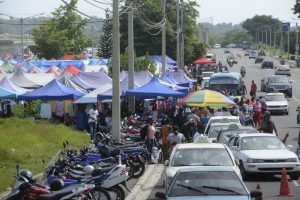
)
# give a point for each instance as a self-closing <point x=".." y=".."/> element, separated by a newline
<point x="261" y="52"/>
<point x="226" y="134"/>
<point x="283" y="70"/>
<point x="252" y="54"/>
<point x="276" y="102"/>
<point x="263" y="153"/>
<point x="221" y="119"/>
<point x="215" y="128"/>
<point x="267" y="64"/>
<point x="215" y="183"/>
<point x="217" y="46"/>
<point x="227" y="51"/>
<point x="198" y="155"/>
<point x="259" y="59"/>
<point x="281" y="84"/>
<point x="264" y="82"/>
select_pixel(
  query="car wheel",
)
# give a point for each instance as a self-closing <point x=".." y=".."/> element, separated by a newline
<point x="294" y="176"/>
<point x="287" y="113"/>
<point x="243" y="172"/>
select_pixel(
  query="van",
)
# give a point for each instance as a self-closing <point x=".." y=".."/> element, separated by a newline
<point x="231" y="81"/>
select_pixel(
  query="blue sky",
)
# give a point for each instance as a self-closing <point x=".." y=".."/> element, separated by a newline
<point x="234" y="11"/>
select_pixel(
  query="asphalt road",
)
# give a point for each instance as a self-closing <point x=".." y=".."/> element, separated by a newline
<point x="284" y="123"/>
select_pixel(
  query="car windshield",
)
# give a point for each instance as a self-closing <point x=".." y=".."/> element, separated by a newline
<point x="261" y="143"/>
<point x="215" y="130"/>
<point x="207" y="74"/>
<point x="275" y="98"/>
<point x="206" y="183"/>
<point x="281" y="79"/>
<point x="201" y="157"/>
<point x="223" y="120"/>
<point x="226" y="135"/>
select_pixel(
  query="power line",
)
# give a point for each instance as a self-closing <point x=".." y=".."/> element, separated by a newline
<point x="77" y="10"/>
<point x="103" y="2"/>
<point x="39" y="24"/>
<point x="95" y="5"/>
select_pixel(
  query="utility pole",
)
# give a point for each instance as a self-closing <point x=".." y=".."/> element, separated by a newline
<point x="297" y="44"/>
<point x="266" y="36"/>
<point x="178" y="35"/>
<point x="22" y="38"/>
<point x="116" y="107"/>
<point x="163" y="37"/>
<point x="93" y="40"/>
<point x="270" y="42"/>
<point x="182" y="37"/>
<point x="131" y="100"/>
<point x="288" y="43"/>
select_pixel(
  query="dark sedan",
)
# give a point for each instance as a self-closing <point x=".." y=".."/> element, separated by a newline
<point x="267" y="64"/>
<point x="259" y="59"/>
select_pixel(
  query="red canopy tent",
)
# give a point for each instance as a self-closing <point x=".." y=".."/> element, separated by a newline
<point x="72" y="70"/>
<point x="203" y="60"/>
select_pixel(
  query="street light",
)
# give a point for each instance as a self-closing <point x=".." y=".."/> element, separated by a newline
<point x="22" y="34"/>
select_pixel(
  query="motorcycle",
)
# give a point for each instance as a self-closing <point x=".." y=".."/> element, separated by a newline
<point x="243" y="72"/>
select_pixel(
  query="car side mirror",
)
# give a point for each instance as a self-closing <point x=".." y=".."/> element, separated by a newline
<point x="160" y="195"/>
<point x="292" y="81"/>
<point x="233" y="148"/>
<point x="166" y="163"/>
<point x="237" y="162"/>
<point x="214" y="141"/>
<point x="255" y="193"/>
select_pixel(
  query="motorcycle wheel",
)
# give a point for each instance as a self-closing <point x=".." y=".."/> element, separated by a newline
<point x="100" y="193"/>
<point x="120" y="194"/>
<point x="130" y="170"/>
<point x="139" y="168"/>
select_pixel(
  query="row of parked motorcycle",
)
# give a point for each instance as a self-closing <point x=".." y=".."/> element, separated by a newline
<point x="95" y="172"/>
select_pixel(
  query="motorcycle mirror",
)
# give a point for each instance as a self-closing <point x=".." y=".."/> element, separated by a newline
<point x="17" y="167"/>
<point x="64" y="145"/>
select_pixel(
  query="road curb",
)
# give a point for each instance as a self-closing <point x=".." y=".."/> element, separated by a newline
<point x="137" y="188"/>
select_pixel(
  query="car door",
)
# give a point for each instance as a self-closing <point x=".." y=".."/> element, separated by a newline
<point x="233" y="145"/>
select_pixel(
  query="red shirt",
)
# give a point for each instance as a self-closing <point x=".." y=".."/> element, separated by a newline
<point x="253" y="87"/>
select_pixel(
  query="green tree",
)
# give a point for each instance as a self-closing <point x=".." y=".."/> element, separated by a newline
<point x="106" y="39"/>
<point x="257" y="21"/>
<point x="236" y="36"/>
<point x="62" y="34"/>
<point x="296" y="8"/>
<point x="147" y="37"/>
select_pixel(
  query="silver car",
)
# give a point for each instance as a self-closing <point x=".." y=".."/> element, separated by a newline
<point x="283" y="70"/>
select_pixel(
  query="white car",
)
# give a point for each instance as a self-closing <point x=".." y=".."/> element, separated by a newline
<point x="276" y="102"/>
<point x="283" y="70"/>
<point x="215" y="128"/>
<point x="221" y="119"/>
<point x="217" y="46"/>
<point x="263" y="153"/>
<point x="198" y="155"/>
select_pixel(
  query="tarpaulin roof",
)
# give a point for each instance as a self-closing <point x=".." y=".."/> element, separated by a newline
<point x="34" y="69"/>
<point x="72" y="70"/>
<point x="152" y="89"/>
<point x="158" y="58"/>
<point x="95" y="68"/>
<point x="8" y="67"/>
<point x="181" y="78"/>
<point x="26" y="80"/>
<point x="52" y="91"/>
<point x="55" y="70"/>
<point x="7" y="94"/>
<point x="140" y="78"/>
<point x="175" y="87"/>
<point x="203" y="60"/>
<point x="123" y="88"/>
<point x="69" y="83"/>
<point x="7" y="84"/>
<point x="92" y="96"/>
<point x="95" y="79"/>
<point x="82" y="83"/>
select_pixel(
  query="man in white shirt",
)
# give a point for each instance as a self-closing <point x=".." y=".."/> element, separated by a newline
<point x="93" y="114"/>
<point x="175" y="138"/>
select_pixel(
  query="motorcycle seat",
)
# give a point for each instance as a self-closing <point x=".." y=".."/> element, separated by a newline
<point x="56" y="195"/>
<point x="100" y="171"/>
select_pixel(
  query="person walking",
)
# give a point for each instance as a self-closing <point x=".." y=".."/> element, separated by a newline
<point x="166" y="130"/>
<point x="150" y="137"/>
<point x="243" y="89"/>
<point x="92" y="119"/>
<point x="257" y="113"/>
<point x="253" y="89"/>
<point x="175" y="138"/>
<point x="268" y="125"/>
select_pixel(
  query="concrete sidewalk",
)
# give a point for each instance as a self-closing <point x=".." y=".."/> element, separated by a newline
<point x="145" y="186"/>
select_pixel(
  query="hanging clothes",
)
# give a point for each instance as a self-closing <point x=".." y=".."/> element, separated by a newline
<point x="59" y="108"/>
<point x="45" y="111"/>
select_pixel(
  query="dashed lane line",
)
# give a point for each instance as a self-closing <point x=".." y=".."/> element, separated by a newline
<point x="296" y="183"/>
<point x="298" y="101"/>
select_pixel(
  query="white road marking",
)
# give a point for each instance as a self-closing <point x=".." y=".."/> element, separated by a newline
<point x="296" y="99"/>
<point x="296" y="183"/>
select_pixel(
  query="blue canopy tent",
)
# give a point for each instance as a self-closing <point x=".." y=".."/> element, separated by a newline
<point x="9" y="85"/>
<point x="158" y="58"/>
<point x="181" y="79"/>
<point x="7" y="94"/>
<point x="54" y="90"/>
<point x="152" y="89"/>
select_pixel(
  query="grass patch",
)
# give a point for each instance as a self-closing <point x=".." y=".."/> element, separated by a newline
<point x="28" y="143"/>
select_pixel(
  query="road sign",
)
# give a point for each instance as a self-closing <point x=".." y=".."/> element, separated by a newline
<point x="285" y="27"/>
